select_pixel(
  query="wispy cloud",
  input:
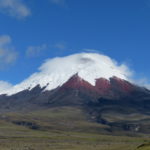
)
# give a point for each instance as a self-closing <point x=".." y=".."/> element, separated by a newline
<point x="91" y="50"/>
<point x="8" y="54"/>
<point x="59" y="2"/>
<point x="35" y="51"/>
<point x="145" y="82"/>
<point x="5" y="86"/>
<point x="14" y="8"/>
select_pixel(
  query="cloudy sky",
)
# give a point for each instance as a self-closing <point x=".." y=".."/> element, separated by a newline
<point x="32" y="31"/>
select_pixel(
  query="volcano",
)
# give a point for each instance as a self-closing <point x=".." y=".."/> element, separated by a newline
<point x="91" y="81"/>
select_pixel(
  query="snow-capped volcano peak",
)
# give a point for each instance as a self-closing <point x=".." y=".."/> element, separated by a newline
<point x="55" y="72"/>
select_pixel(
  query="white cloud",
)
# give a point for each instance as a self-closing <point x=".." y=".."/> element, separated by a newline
<point x="14" y="8"/>
<point x="5" y="86"/>
<point x="59" y="2"/>
<point x="35" y="51"/>
<point x="8" y="54"/>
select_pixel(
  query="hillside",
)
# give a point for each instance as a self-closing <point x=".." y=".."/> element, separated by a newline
<point x="61" y="128"/>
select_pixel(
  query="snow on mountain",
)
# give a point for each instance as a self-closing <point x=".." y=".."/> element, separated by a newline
<point x="55" y="72"/>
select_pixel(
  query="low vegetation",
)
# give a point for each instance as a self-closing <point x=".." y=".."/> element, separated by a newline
<point x="63" y="128"/>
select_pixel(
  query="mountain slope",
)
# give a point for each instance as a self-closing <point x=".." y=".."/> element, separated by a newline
<point x="116" y="102"/>
<point x="92" y="82"/>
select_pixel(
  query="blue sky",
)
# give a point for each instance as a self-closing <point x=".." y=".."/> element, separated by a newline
<point x="34" y="30"/>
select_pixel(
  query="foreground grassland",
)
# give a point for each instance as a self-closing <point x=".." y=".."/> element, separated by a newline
<point x="62" y="129"/>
